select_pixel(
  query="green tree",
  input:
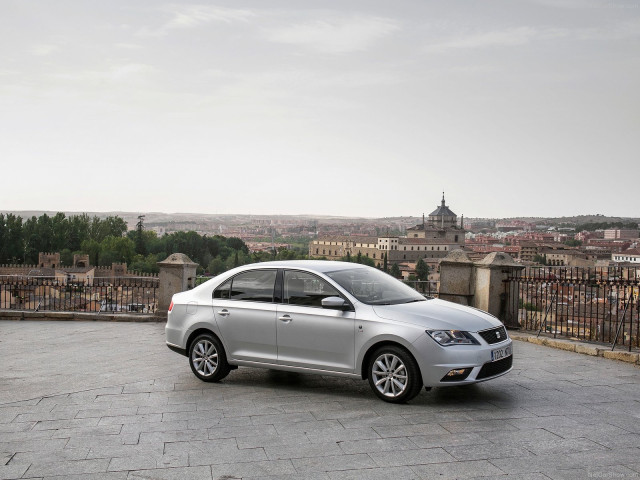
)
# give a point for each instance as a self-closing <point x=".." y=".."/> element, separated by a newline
<point x="148" y="264"/>
<point x="3" y="239"/>
<point x="237" y="244"/>
<point x="540" y="259"/>
<point x="109" y="227"/>
<point x="216" y="266"/>
<point x="422" y="270"/>
<point x="572" y="242"/>
<point x="78" y="231"/>
<point x="92" y="248"/>
<point x="14" y="251"/>
<point x="141" y="246"/>
<point x="116" y="249"/>
<point x="395" y="270"/>
<point x="11" y="239"/>
<point x="385" y="265"/>
<point x="66" y="257"/>
<point x="59" y="232"/>
<point x="359" y="258"/>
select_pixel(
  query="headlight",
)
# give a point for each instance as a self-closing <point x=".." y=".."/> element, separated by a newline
<point x="447" y="338"/>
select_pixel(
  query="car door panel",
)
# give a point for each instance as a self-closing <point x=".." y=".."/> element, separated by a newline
<point x="317" y="338"/>
<point x="246" y="315"/>
<point x="248" y="330"/>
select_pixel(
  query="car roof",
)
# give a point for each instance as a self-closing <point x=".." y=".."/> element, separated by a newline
<point x="321" y="266"/>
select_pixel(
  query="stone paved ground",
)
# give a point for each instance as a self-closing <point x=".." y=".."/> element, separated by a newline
<point x="110" y="401"/>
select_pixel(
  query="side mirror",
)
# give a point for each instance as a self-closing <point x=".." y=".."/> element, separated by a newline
<point x="335" y="303"/>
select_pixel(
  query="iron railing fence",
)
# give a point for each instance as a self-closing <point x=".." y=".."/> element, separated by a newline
<point x="200" y="279"/>
<point x="428" y="288"/>
<point x="591" y="304"/>
<point x="109" y="294"/>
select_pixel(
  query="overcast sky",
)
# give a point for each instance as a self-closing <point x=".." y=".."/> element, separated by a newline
<point x="355" y="108"/>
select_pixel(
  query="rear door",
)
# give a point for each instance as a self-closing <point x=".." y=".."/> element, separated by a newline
<point x="245" y="311"/>
<point x="311" y="336"/>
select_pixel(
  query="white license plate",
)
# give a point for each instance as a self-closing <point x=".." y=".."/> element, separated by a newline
<point x="500" y="353"/>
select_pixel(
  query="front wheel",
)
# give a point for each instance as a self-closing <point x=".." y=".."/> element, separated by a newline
<point x="207" y="358"/>
<point x="394" y="375"/>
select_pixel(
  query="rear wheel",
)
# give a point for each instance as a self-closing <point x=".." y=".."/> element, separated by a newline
<point x="207" y="358"/>
<point x="394" y="375"/>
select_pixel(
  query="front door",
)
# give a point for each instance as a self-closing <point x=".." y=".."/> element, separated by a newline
<point x="311" y="336"/>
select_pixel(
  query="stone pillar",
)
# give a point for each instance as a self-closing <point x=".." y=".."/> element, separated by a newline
<point x="456" y="278"/>
<point x="177" y="274"/>
<point x="491" y="292"/>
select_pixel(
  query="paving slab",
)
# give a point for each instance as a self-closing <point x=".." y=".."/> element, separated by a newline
<point x="109" y="401"/>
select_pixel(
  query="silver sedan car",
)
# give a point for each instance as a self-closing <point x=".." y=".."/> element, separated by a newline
<point x="335" y="318"/>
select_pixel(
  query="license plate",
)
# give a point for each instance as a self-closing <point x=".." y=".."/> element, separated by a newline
<point x="500" y="353"/>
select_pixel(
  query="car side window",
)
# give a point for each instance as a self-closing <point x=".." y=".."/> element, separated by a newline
<point x="301" y="288"/>
<point x="253" y="286"/>
<point x="223" y="290"/>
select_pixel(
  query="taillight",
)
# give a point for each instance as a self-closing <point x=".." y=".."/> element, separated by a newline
<point x="171" y="306"/>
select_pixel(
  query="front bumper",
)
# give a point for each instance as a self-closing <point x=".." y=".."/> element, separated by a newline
<point x="436" y="362"/>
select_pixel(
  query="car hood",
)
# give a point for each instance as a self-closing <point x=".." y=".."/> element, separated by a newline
<point x="438" y="315"/>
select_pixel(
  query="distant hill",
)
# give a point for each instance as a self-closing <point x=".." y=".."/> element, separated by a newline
<point x="161" y="218"/>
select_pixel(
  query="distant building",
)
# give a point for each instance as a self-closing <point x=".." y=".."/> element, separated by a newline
<point x="528" y="251"/>
<point x="628" y="256"/>
<point x="616" y="233"/>
<point x="431" y="240"/>
<point x="49" y="267"/>
<point x="566" y="257"/>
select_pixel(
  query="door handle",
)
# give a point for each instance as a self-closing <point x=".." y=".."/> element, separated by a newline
<point x="285" y="318"/>
<point x="224" y="312"/>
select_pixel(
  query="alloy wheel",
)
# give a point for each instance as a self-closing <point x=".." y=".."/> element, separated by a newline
<point x="205" y="358"/>
<point x="389" y="375"/>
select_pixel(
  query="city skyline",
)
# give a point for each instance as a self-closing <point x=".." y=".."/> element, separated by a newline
<point x="364" y="109"/>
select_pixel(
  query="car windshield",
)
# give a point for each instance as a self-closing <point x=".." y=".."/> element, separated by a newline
<point x="374" y="287"/>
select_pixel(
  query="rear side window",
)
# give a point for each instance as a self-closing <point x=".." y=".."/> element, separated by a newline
<point x="251" y="286"/>
<point x="223" y="290"/>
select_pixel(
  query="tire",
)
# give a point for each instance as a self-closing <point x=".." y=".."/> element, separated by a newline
<point x="394" y="375"/>
<point x="207" y="358"/>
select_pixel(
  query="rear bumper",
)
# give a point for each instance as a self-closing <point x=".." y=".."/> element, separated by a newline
<point x="177" y="349"/>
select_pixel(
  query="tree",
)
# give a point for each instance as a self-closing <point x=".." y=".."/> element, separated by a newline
<point x="3" y="239"/>
<point x="395" y="270"/>
<point x="422" y="270"/>
<point x="385" y="266"/>
<point x="109" y="227"/>
<point x="148" y="264"/>
<point x="116" y="250"/>
<point x="66" y="257"/>
<point x="141" y="247"/>
<point x="59" y="232"/>
<point x="92" y="248"/>
<point x="216" y="266"/>
<point x="237" y="244"/>
<point x="79" y="226"/>
<point x="541" y="259"/>
<point x="14" y="251"/>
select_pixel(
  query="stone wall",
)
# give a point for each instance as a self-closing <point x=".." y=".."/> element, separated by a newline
<point x="12" y="269"/>
<point x="478" y="284"/>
